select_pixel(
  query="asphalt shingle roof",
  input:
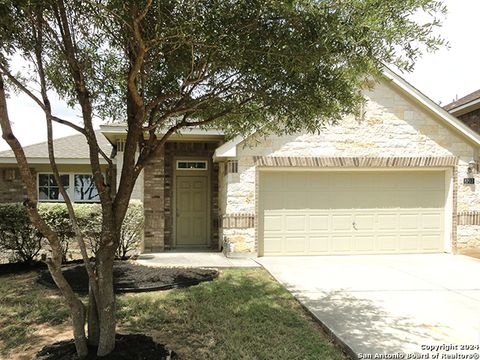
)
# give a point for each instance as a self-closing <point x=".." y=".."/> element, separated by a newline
<point x="69" y="147"/>
<point x="462" y="101"/>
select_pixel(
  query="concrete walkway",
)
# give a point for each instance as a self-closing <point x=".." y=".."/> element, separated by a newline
<point x="194" y="259"/>
<point x="388" y="303"/>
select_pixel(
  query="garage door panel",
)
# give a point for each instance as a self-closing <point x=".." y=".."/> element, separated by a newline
<point x="408" y="242"/>
<point x="297" y="200"/>
<point x="273" y="245"/>
<point x="318" y="244"/>
<point x="274" y="201"/>
<point x="430" y="241"/>
<point x="365" y="222"/>
<point x="295" y="245"/>
<point x="341" y="222"/>
<point x="431" y="221"/>
<point x="273" y="223"/>
<point x="347" y="212"/>
<point x="386" y="243"/>
<point x="342" y="244"/>
<point x="318" y="222"/>
<point x="295" y="223"/>
<point x="364" y="244"/>
<point x="408" y="221"/>
<point x="387" y="221"/>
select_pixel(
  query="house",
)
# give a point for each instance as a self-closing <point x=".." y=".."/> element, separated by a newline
<point x="467" y="109"/>
<point x="401" y="177"/>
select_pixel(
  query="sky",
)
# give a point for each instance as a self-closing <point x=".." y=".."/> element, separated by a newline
<point x="442" y="76"/>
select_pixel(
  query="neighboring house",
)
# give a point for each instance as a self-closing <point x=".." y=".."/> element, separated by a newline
<point x="467" y="109"/>
<point x="395" y="179"/>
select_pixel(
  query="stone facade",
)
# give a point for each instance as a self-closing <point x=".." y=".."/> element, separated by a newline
<point x="158" y="193"/>
<point x="392" y="125"/>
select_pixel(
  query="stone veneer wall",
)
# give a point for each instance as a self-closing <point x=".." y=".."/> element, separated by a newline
<point x="158" y="193"/>
<point x="392" y="126"/>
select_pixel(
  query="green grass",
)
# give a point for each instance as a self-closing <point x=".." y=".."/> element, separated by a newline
<point x="242" y="315"/>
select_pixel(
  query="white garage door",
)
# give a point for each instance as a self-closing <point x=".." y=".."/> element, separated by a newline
<point x="314" y="213"/>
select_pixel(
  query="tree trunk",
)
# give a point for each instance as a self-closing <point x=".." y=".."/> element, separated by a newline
<point x="77" y="309"/>
<point x="106" y="313"/>
<point x="93" y="322"/>
<point x="106" y="304"/>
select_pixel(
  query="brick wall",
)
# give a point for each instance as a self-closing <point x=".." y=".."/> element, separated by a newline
<point x="472" y="119"/>
<point x="11" y="187"/>
<point x="158" y="193"/>
<point x="154" y="197"/>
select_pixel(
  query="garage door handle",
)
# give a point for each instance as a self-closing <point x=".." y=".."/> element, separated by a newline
<point x="354" y="224"/>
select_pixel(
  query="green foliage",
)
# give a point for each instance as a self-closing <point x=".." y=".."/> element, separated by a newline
<point x="56" y="215"/>
<point x="17" y="235"/>
<point x="20" y="237"/>
<point x="252" y="65"/>
<point x="132" y="230"/>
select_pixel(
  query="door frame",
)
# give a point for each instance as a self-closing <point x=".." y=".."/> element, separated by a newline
<point x="205" y="173"/>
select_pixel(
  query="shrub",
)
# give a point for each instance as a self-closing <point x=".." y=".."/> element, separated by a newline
<point x="56" y="215"/>
<point x="17" y="235"/>
<point x="89" y="217"/>
<point x="132" y="230"/>
<point x="25" y="242"/>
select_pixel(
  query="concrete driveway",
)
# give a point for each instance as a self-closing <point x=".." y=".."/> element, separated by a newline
<point x="388" y="303"/>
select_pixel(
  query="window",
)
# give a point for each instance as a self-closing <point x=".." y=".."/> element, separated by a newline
<point x="191" y="165"/>
<point x="85" y="189"/>
<point x="48" y="188"/>
<point x="80" y="187"/>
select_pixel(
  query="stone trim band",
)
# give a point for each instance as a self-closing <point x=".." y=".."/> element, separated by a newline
<point x="237" y="221"/>
<point x="367" y="162"/>
<point x="469" y="218"/>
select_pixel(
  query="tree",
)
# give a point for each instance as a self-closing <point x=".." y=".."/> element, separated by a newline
<point x="163" y="66"/>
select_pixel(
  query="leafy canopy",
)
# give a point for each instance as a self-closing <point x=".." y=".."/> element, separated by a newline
<point x="242" y="65"/>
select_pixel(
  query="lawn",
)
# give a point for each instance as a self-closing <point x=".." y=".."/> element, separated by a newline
<point x="244" y="314"/>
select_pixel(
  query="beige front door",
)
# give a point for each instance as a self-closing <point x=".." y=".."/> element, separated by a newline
<point x="191" y="210"/>
<point x="315" y="213"/>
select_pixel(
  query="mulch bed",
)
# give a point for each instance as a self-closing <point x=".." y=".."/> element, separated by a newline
<point x="127" y="347"/>
<point x="128" y="277"/>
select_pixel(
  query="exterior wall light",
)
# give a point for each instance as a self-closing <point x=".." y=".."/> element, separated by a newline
<point x="472" y="167"/>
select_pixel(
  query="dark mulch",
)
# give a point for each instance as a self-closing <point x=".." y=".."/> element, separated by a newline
<point x="23" y="267"/>
<point x="128" y="277"/>
<point x="20" y="267"/>
<point x="127" y="347"/>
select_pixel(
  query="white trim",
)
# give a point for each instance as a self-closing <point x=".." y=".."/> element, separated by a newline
<point x="229" y="149"/>
<point x="191" y="161"/>
<point x="457" y="109"/>
<point x="53" y="200"/>
<point x="448" y="221"/>
<point x="122" y="129"/>
<point x="70" y="190"/>
<point x="60" y="161"/>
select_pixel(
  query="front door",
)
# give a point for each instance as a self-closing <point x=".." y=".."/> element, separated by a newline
<point x="191" y="210"/>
